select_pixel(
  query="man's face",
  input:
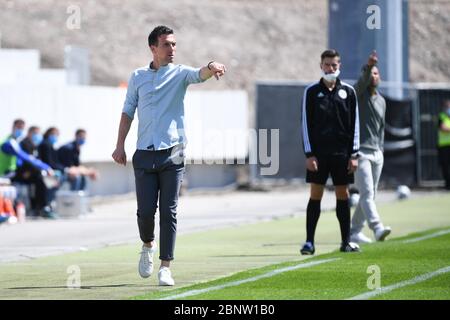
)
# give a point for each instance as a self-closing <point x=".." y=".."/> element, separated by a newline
<point x="330" y="65"/>
<point x="18" y="130"/>
<point x="375" y="77"/>
<point x="164" y="52"/>
<point x="80" y="138"/>
<point x="33" y="132"/>
<point x="19" y="126"/>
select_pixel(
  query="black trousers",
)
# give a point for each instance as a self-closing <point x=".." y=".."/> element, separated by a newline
<point x="158" y="174"/>
<point x="444" y="161"/>
<point x="41" y="198"/>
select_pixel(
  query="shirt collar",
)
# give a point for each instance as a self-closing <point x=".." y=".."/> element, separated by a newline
<point x="160" y="68"/>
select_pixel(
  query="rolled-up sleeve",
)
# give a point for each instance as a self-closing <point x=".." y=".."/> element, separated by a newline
<point x="192" y="74"/>
<point x="131" y="99"/>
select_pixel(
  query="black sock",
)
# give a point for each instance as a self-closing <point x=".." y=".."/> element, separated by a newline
<point x="312" y="217"/>
<point x="343" y="215"/>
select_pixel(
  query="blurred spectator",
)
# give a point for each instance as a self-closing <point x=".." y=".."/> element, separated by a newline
<point x="8" y="158"/>
<point x="444" y="142"/>
<point x="69" y="157"/>
<point x="31" y="175"/>
<point x="13" y="158"/>
<point x="48" y="154"/>
<point x="12" y="155"/>
<point x="47" y="151"/>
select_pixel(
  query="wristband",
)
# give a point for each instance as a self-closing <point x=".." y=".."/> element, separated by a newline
<point x="209" y="64"/>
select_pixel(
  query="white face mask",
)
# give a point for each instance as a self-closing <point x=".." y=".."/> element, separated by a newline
<point x="330" y="76"/>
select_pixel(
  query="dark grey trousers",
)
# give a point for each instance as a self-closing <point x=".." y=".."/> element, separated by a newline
<point x="158" y="173"/>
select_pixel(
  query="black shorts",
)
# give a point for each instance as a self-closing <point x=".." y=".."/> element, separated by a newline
<point x="336" y="165"/>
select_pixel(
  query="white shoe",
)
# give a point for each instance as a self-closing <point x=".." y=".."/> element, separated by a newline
<point x="146" y="261"/>
<point x="381" y="234"/>
<point x="360" y="238"/>
<point x="165" y="277"/>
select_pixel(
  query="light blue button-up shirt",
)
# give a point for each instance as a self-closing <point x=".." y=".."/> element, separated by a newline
<point x="158" y="96"/>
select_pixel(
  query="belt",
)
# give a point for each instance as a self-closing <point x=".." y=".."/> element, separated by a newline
<point x="152" y="148"/>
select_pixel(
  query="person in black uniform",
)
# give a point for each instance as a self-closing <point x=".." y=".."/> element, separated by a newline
<point x="29" y="174"/>
<point x="47" y="151"/>
<point x="331" y="143"/>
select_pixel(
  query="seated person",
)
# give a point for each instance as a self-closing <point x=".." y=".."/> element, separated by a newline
<point x="29" y="174"/>
<point x="69" y="157"/>
<point x="48" y="154"/>
<point x="12" y="157"/>
<point x="12" y="154"/>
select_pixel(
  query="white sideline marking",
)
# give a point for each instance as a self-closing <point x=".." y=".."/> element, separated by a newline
<point x="433" y="235"/>
<point x="236" y="283"/>
<point x="363" y="296"/>
<point x="415" y="280"/>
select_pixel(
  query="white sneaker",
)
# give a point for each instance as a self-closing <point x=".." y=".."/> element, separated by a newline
<point x="146" y="261"/>
<point x="381" y="234"/>
<point x="360" y="238"/>
<point x="165" y="277"/>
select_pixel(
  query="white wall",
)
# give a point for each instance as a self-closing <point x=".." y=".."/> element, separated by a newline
<point x="97" y="109"/>
<point x="47" y="76"/>
<point x="213" y="119"/>
<point x="23" y="66"/>
<point x="15" y="62"/>
<point x="19" y="60"/>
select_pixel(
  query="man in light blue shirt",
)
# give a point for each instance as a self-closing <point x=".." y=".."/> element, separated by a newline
<point x="157" y="92"/>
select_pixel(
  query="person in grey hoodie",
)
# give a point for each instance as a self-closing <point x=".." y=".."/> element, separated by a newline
<point x="372" y="109"/>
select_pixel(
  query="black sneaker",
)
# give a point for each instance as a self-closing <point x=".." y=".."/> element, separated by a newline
<point x="308" y="249"/>
<point x="350" y="247"/>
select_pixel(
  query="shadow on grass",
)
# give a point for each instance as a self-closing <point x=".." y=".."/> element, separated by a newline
<point x="85" y="287"/>
<point x="254" y="255"/>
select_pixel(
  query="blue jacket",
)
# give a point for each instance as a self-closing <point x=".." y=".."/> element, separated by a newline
<point x="11" y="147"/>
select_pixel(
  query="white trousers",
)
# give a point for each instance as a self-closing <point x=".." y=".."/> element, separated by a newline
<point x="367" y="177"/>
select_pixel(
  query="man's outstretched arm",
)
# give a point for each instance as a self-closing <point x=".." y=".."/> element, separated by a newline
<point x="364" y="80"/>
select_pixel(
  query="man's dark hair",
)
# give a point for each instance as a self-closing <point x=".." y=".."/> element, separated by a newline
<point x="158" y="31"/>
<point x="32" y="129"/>
<point x="18" y="122"/>
<point x="330" y="53"/>
<point x="49" y="131"/>
<point x="79" y="131"/>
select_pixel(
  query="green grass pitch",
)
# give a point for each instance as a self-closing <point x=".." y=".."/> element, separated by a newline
<point x="208" y="258"/>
